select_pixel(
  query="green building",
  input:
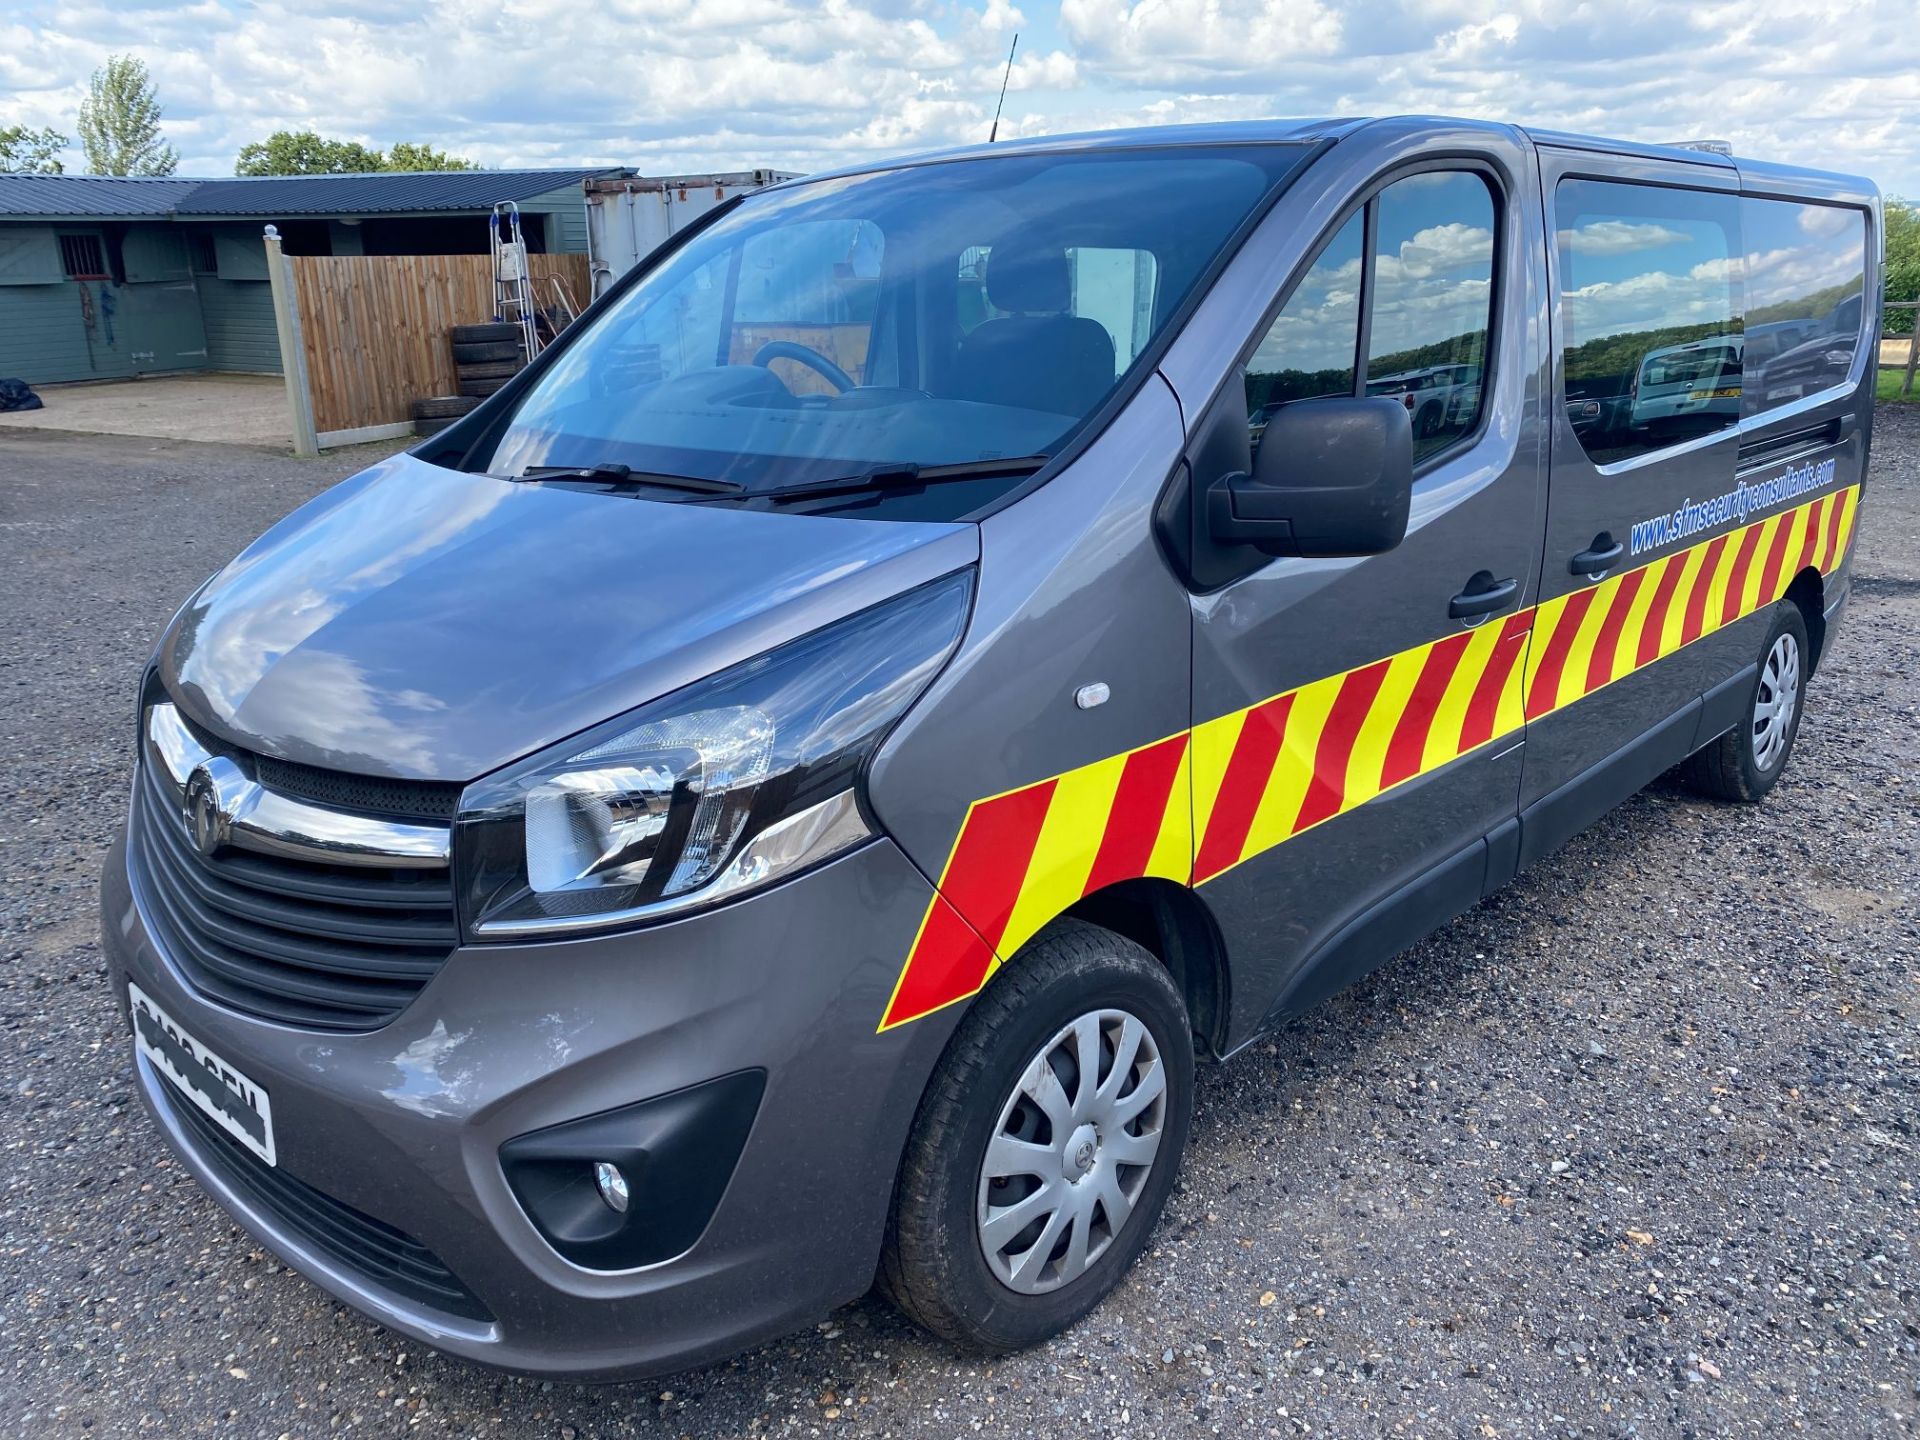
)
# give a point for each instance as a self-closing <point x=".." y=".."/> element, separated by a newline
<point x="104" y="277"/>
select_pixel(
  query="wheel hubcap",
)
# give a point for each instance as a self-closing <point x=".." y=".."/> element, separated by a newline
<point x="1775" y="702"/>
<point x="1071" y="1151"/>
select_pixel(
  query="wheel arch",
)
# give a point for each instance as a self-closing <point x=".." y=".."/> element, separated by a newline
<point x="1808" y="593"/>
<point x="1173" y="924"/>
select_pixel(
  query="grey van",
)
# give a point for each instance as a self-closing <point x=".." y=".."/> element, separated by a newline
<point x="782" y="795"/>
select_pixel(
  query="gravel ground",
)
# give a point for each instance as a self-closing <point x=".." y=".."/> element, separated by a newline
<point x="1630" y="1150"/>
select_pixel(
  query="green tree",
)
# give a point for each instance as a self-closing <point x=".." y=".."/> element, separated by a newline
<point x="31" y="152"/>
<point x="302" y="152"/>
<point x="405" y="155"/>
<point x="120" y="122"/>
<point x="1903" y="263"/>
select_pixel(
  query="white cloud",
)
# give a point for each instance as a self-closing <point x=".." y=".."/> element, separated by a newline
<point x="1618" y="237"/>
<point x="801" y="84"/>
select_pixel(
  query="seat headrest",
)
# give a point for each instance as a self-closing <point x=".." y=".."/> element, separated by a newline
<point x="1028" y="281"/>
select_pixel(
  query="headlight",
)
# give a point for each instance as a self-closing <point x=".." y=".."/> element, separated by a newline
<point x="707" y="793"/>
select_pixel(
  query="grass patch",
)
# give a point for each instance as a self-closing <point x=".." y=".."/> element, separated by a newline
<point x="1888" y="387"/>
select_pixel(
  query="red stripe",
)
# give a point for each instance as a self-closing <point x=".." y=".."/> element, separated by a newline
<point x="1409" y="740"/>
<point x="1483" y="709"/>
<point x="1737" y="582"/>
<point x="983" y="878"/>
<point x="1329" y="784"/>
<point x="949" y="962"/>
<point x="1600" y="667"/>
<point x="1139" y="808"/>
<point x="1656" y="622"/>
<point x="1776" y="557"/>
<point x="1833" y="531"/>
<point x="1546" y="680"/>
<point x="1241" y="788"/>
<point x="1696" y="617"/>
<point x="1812" y="542"/>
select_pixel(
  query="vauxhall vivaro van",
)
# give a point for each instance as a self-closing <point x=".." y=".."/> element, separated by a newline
<point x="783" y="793"/>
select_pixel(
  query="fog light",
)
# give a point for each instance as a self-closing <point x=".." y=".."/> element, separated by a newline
<point x="611" y="1184"/>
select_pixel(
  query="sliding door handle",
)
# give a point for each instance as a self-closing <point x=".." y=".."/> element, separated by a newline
<point x="1598" y="558"/>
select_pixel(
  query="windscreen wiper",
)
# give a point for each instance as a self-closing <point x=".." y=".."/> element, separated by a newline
<point x="615" y="476"/>
<point x="901" y="477"/>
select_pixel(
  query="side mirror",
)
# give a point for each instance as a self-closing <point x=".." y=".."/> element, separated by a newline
<point x="1330" y="477"/>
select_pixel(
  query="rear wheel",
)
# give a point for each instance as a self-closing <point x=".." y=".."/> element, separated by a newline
<point x="1046" y="1144"/>
<point x="1747" y="761"/>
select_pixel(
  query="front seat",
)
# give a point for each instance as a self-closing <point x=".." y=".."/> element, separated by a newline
<point x="1037" y="357"/>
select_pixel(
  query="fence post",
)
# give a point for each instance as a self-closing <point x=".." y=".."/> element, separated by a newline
<point x="1913" y="353"/>
<point x="293" y="352"/>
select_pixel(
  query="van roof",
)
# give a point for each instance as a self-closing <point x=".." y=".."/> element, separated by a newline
<point x="1761" y="175"/>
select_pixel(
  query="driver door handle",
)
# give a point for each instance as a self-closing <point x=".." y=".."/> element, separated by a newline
<point x="1598" y="558"/>
<point x="1482" y="597"/>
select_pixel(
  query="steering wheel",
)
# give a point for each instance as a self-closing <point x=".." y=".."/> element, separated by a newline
<point x="807" y="356"/>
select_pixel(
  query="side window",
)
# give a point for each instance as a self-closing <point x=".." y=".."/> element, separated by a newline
<point x="1310" y="348"/>
<point x="1431" y="297"/>
<point x="1806" y="272"/>
<point x="1426" y="292"/>
<point x="1651" y="343"/>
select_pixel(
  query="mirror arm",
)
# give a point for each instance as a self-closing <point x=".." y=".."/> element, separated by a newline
<point x="1240" y="511"/>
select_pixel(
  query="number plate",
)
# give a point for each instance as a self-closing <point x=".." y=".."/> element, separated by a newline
<point x="227" y="1097"/>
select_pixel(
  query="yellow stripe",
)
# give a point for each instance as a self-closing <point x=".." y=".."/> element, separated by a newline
<point x="1573" y="675"/>
<point x="1172" y="855"/>
<point x="1293" y="770"/>
<point x="1846" y="524"/>
<point x="1673" y="623"/>
<point x="1063" y="855"/>
<point x="1626" y="645"/>
<point x="1450" y="715"/>
<point x="1212" y="749"/>
<point x="1546" y="619"/>
<point x="1717" y="585"/>
<point x="1756" y="572"/>
<point x="1376" y="731"/>
<point x="1510" y="713"/>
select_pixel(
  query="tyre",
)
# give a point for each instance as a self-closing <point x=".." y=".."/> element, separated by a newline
<point x="1030" y="1183"/>
<point x="490" y="332"/>
<point x="482" y="387"/>
<point x="491" y="370"/>
<point x="485" y="352"/>
<point x="423" y="428"/>
<point x="443" y="407"/>
<point x="1747" y="761"/>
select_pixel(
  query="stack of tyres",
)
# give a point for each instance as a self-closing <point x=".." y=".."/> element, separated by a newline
<point x="485" y="357"/>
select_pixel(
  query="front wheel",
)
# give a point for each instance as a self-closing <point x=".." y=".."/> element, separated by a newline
<point x="1046" y="1144"/>
<point x="1747" y="761"/>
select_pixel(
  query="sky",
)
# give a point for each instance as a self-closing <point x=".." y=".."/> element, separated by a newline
<point x="675" y="86"/>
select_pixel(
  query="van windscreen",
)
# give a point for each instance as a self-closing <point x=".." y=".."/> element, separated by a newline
<point x="938" y="315"/>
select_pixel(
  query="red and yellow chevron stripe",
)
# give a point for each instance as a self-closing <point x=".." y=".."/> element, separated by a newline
<point x="1192" y="806"/>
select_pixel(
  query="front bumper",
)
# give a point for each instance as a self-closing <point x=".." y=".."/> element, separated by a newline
<point x="404" y="1124"/>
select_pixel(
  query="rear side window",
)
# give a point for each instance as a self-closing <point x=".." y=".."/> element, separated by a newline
<point x="1420" y="294"/>
<point x="1651" y="333"/>
<point x="1806" y="272"/>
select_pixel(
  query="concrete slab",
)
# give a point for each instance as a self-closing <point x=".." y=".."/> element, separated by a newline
<point x="226" y="409"/>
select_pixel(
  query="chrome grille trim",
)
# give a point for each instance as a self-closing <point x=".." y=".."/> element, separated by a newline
<point x="270" y="823"/>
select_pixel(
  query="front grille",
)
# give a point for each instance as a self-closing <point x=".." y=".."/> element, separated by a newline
<point x="323" y="947"/>
<point x="370" y="1248"/>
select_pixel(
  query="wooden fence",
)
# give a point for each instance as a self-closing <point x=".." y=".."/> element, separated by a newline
<point x="370" y="332"/>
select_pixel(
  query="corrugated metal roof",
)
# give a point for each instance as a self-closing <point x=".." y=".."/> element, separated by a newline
<point x="284" y="196"/>
<point x="375" y="194"/>
<point x="107" y="195"/>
